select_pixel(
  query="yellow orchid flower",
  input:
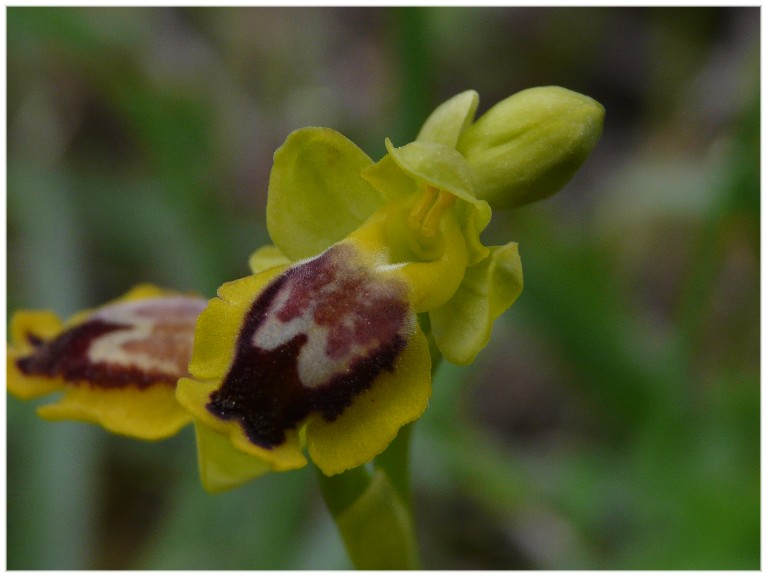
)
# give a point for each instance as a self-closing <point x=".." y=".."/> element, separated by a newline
<point x="116" y="366"/>
<point x="323" y="344"/>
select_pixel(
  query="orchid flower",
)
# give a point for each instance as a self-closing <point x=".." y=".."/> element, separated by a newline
<point x="326" y="348"/>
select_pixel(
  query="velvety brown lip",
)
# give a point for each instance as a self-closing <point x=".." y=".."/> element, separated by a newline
<point x="366" y="319"/>
<point x="169" y="339"/>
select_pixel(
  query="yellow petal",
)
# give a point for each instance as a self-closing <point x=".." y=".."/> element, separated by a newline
<point x="434" y="282"/>
<point x="369" y="425"/>
<point x="149" y="414"/>
<point x="462" y="327"/>
<point x="28" y="327"/>
<point x="219" y="324"/>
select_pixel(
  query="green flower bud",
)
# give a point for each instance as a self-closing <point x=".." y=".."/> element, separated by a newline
<point x="528" y="146"/>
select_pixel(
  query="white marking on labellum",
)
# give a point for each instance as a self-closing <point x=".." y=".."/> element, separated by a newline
<point x="334" y="307"/>
<point x="136" y="343"/>
<point x="158" y="334"/>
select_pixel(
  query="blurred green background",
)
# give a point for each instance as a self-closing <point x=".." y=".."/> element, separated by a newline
<point x="613" y="422"/>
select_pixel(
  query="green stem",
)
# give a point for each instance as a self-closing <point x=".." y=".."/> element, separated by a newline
<point x="372" y="508"/>
<point x="395" y="461"/>
<point x="375" y="524"/>
<point x="342" y="490"/>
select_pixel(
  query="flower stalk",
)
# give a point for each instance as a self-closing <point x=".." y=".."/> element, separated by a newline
<point x="372" y="509"/>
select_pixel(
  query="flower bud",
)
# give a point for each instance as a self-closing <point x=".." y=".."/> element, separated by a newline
<point x="528" y="146"/>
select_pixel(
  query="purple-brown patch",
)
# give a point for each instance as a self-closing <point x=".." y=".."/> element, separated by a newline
<point x="314" y="339"/>
<point x="133" y="343"/>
